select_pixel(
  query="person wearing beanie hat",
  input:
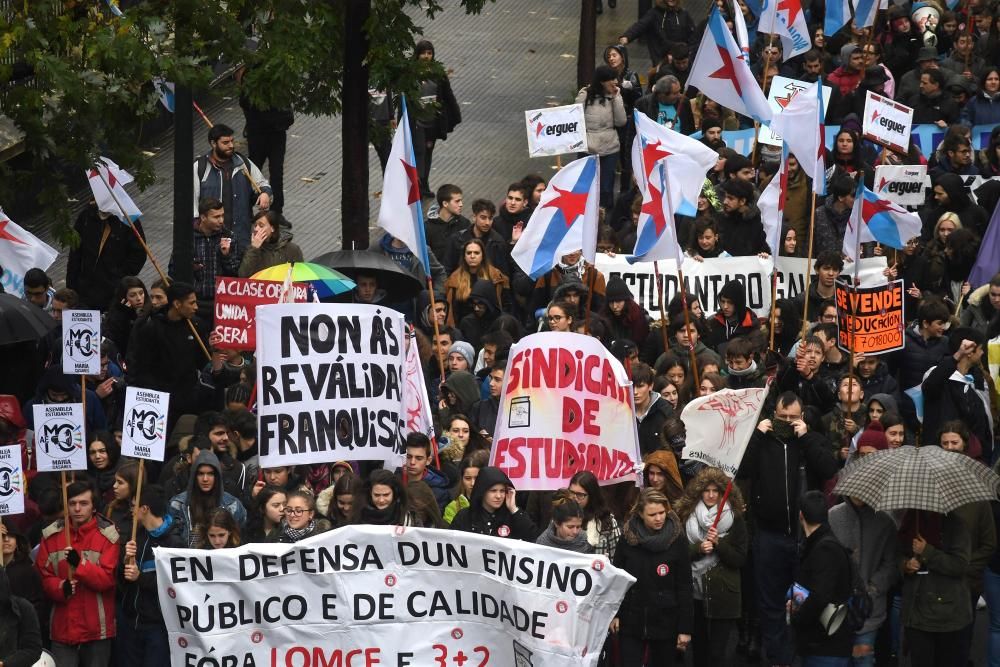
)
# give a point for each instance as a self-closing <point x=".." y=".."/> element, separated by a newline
<point x="461" y="357"/>
<point x="740" y="225"/>
<point x="848" y="76"/>
<point x="872" y="439"/>
<point x="901" y="42"/>
<point x="956" y="389"/>
<point x="626" y="317"/>
<point x="711" y="132"/>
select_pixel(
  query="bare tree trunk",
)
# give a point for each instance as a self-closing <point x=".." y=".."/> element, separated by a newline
<point x="354" y="118"/>
<point x="586" y="51"/>
<point x="183" y="250"/>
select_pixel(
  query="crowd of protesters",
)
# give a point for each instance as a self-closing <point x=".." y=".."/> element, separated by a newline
<point x="715" y="588"/>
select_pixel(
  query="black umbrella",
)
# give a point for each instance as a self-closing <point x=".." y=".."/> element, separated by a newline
<point x="398" y="283"/>
<point x="21" y="321"/>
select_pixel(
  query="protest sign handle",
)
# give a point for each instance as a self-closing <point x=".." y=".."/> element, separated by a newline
<point x="138" y="495"/>
<point x="202" y="114"/>
<point x="590" y="298"/>
<point x="65" y="499"/>
<point x="83" y="403"/>
<point x="722" y="504"/>
<point x="755" y="155"/>
<point x="809" y="256"/>
<point x="687" y="327"/>
<point x="774" y="297"/>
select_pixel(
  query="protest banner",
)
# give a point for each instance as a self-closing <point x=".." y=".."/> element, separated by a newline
<point x="81" y="342"/>
<point x="418" y="417"/>
<point x="780" y="93"/>
<point x="144" y="431"/>
<point x="565" y="407"/>
<point x="556" y="130"/>
<point x="59" y="441"/>
<point x="11" y="481"/>
<point x="236" y="301"/>
<point x="904" y="184"/>
<point x="329" y="383"/>
<point x="386" y="595"/>
<point x="719" y="426"/>
<point x="874" y="315"/>
<point x="887" y="122"/>
<point x="705" y="279"/>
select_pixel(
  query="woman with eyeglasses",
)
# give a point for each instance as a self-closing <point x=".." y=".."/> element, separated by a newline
<point x="599" y="524"/>
<point x="300" y="519"/>
<point x="560" y="317"/>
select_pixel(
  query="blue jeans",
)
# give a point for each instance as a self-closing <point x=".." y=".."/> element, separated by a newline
<point x="825" y="661"/>
<point x="865" y="639"/>
<point x="147" y="645"/>
<point x="775" y="558"/>
<point x="895" y="623"/>
<point x="608" y="163"/>
<point x="991" y="591"/>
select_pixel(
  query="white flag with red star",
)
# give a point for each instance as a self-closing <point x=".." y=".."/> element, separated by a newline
<point x="400" y="212"/>
<point x="20" y="250"/>
<point x="107" y="181"/>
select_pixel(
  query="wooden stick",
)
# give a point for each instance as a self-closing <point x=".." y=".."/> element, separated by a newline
<point x="83" y="407"/>
<point x="437" y="331"/>
<point x="755" y="155"/>
<point x="590" y="296"/>
<point x="202" y="114"/>
<point x="812" y="229"/>
<point x="69" y="539"/>
<point x="138" y="495"/>
<point x="687" y="329"/>
<point x="774" y="298"/>
<point x="663" y="310"/>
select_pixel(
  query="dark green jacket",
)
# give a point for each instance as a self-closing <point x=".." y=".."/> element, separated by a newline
<point x="938" y="601"/>
<point x="722" y="582"/>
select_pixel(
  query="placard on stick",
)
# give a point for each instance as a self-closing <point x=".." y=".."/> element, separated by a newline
<point x="144" y="431"/>
<point x="556" y="130"/>
<point x="59" y="441"/>
<point x="887" y="122"/>
<point x="81" y="342"/>
<point x="874" y="315"/>
<point x="11" y="481"/>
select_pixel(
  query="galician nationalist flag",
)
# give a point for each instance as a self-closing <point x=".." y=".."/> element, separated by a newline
<point x="789" y="23"/>
<point x="401" y="212"/>
<point x="838" y="13"/>
<point x="740" y="28"/>
<point x="720" y="72"/>
<point x="565" y="220"/>
<point x="772" y="204"/>
<point x="115" y="201"/>
<point x="800" y="125"/>
<point x="20" y="250"/>
<point x="880" y="220"/>
<point x="662" y="157"/>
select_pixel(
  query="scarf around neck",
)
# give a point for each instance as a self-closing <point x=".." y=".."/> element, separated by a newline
<point x="696" y="527"/>
<point x="296" y="534"/>
<point x="638" y="535"/>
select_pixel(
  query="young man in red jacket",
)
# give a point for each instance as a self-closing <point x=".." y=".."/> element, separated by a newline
<point x="80" y="581"/>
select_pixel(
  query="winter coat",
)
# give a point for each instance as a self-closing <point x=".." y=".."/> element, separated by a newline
<point x="484" y="414"/>
<point x="180" y="508"/>
<point x="88" y="614"/>
<point x="601" y="117"/>
<point x="825" y="571"/>
<point x="447" y="113"/>
<point x="20" y="637"/>
<point x="139" y="601"/>
<point x="632" y="324"/>
<point x="660" y="604"/>
<point x="880" y="383"/>
<point x="978" y="521"/>
<point x="164" y="355"/>
<point x="457" y="309"/>
<point x="932" y="108"/>
<point x="579" y="544"/>
<point x="319" y="526"/>
<point x="772" y="467"/>
<point x="651" y="424"/>
<point x="118" y="323"/>
<point x="476" y="519"/>
<point x="208" y="183"/>
<point x="948" y="394"/>
<point x="743" y="233"/>
<point x="108" y="251"/>
<point x="916" y="358"/>
<point x="870" y="538"/>
<point x="959" y="202"/>
<point x="937" y="600"/>
<point x="454" y="507"/>
<point x="744" y="322"/>
<point x="439" y="483"/>
<point x="978" y="312"/>
<point x="830" y="228"/>
<point x="497" y="250"/>
<point x="723" y="583"/>
<point x="662" y="27"/>
<point x="684" y="123"/>
<point x="546" y="286"/>
<point x="439" y="233"/>
<point x="271" y="253"/>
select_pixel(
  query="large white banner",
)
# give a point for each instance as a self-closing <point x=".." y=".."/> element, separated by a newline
<point x="81" y="342"/>
<point x="382" y="595"/>
<point x="566" y="406"/>
<point x="705" y="279"/>
<point x="329" y="383"/>
<point x="556" y="130"/>
<point x="11" y="481"/>
<point x="59" y="440"/>
<point x="144" y="431"/>
<point x="719" y="426"/>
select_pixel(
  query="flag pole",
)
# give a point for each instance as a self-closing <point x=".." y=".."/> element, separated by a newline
<point x="812" y="229"/>
<point x="138" y="495"/>
<point x="722" y="503"/>
<point x="149" y="253"/>
<point x="663" y="311"/>
<point x="437" y="329"/>
<point x="755" y="157"/>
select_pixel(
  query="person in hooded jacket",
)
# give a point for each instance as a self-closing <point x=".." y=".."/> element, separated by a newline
<point x="873" y="373"/>
<point x="191" y="509"/>
<point x="658" y="610"/>
<point x="493" y="509"/>
<point x="982" y="307"/>
<point x="459" y="393"/>
<point x="660" y="471"/>
<point x="20" y="637"/>
<point x="425" y="324"/>
<point x="142" y="635"/>
<point x="951" y="197"/>
<point x="270" y="244"/>
<point x="732" y="319"/>
<point x="626" y="317"/>
<point x="666" y="23"/>
<point x="718" y="552"/>
<point x="107" y="252"/>
<point x="565" y="530"/>
<point x="485" y="311"/>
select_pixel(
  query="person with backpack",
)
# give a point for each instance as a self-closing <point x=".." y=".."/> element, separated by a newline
<point x="870" y="538"/>
<point x="823" y="584"/>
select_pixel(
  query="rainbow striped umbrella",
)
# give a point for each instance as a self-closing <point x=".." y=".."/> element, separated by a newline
<point x="326" y="281"/>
